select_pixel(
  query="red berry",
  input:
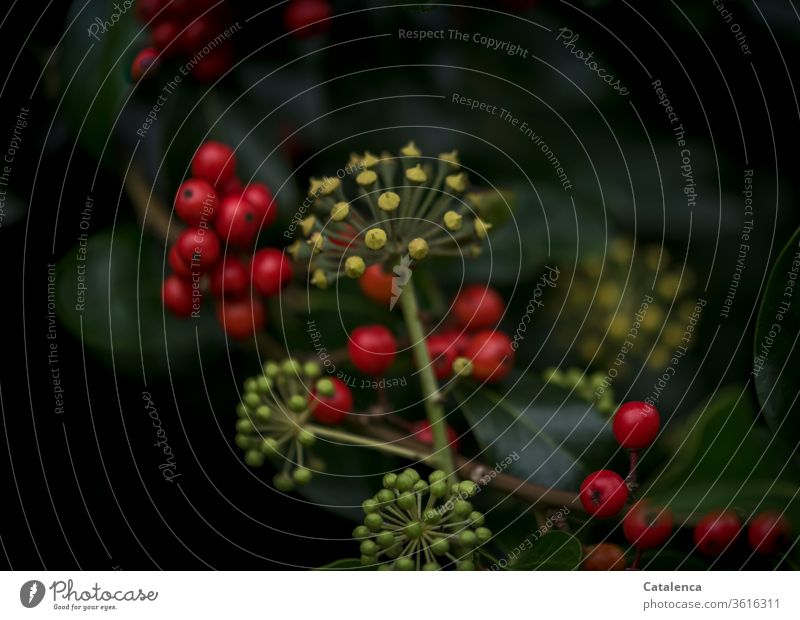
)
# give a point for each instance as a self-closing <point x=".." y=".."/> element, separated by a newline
<point x="491" y="354"/>
<point x="148" y="9"/>
<point x="715" y="532"/>
<point x="307" y="17"/>
<point x="604" y="556"/>
<point x="241" y="318"/>
<point x="258" y="195"/>
<point x="199" y="248"/>
<point x="215" y="162"/>
<point x="229" y="279"/>
<point x="769" y="532"/>
<point x="237" y="221"/>
<point x="443" y="351"/>
<point x="372" y="349"/>
<point x="603" y="493"/>
<point x="144" y="64"/>
<point x="423" y="433"/>
<point x="636" y="425"/>
<point x="646" y="526"/>
<point x="376" y="284"/>
<point x="177" y="296"/>
<point x="214" y="65"/>
<point x="197" y="33"/>
<point x="164" y="36"/>
<point x="195" y="201"/>
<point x="458" y="339"/>
<point x="270" y="271"/>
<point x="478" y="306"/>
<point x="332" y="409"/>
<point x="179" y="266"/>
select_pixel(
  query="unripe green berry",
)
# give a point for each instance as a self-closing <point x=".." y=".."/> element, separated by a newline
<point x="468" y="538"/>
<point x="251" y="385"/>
<point x="263" y="413"/>
<point x="291" y="367"/>
<point x="465" y="565"/>
<point x="476" y="519"/>
<point x="297" y="403"/>
<point x="404" y="563"/>
<point x="263" y="385"/>
<point x="407" y="501"/>
<point x="431" y="566"/>
<point x="436" y="476"/>
<point x="440" y="546"/>
<point x="254" y="458"/>
<point x="368" y="560"/>
<point x="432" y="516"/>
<point x="462" y="508"/>
<point x="283" y="482"/>
<point x="373" y="521"/>
<point x="244" y="442"/>
<point x="438" y="489"/>
<point x="306" y="438"/>
<point x="385" y="496"/>
<point x="245" y="425"/>
<point x="420" y="486"/>
<point x="271" y="370"/>
<point x="412" y="473"/>
<point x="312" y="370"/>
<point x="483" y="534"/>
<point x="370" y="506"/>
<point x="468" y="488"/>
<point x="413" y="530"/>
<point x="361" y="531"/>
<point x="462" y="367"/>
<point x="252" y="400"/>
<point x="325" y="388"/>
<point x="269" y="446"/>
<point x="385" y="567"/>
<point x="404" y="482"/>
<point x="389" y="480"/>
<point x="301" y="476"/>
<point x="385" y="539"/>
<point x="368" y="547"/>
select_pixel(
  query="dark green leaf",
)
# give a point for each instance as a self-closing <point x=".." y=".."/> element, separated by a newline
<point x="553" y="551"/>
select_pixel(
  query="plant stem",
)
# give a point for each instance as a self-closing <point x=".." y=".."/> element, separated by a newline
<point x="430" y="388"/>
<point x="345" y="437"/>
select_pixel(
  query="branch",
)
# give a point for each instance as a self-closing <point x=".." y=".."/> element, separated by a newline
<point x="154" y="215"/>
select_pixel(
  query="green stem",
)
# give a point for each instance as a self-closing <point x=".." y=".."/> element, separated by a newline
<point x="430" y="388"/>
<point x="345" y="437"/>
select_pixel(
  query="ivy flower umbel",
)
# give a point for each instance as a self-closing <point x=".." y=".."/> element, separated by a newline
<point x="400" y="205"/>
<point x="275" y="408"/>
<point x="411" y="524"/>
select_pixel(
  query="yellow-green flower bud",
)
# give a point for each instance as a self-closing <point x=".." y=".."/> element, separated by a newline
<point x="340" y="211"/>
<point x="388" y="201"/>
<point x="308" y="224"/>
<point x="418" y="248"/>
<point x="457" y="182"/>
<point x="481" y="228"/>
<point x="462" y="366"/>
<point x="354" y="267"/>
<point x="416" y="174"/>
<point x="324" y="186"/>
<point x="369" y="160"/>
<point x="316" y="242"/>
<point x="375" y="238"/>
<point x="366" y="178"/>
<point x="452" y="220"/>
<point x="451" y="158"/>
<point x="410" y="150"/>
<point x="319" y="279"/>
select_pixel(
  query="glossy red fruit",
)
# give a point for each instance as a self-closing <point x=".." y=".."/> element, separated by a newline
<point x="769" y="532"/>
<point x="179" y="266"/>
<point x="258" y="195"/>
<point x="603" y="493"/>
<point x="197" y="33"/>
<point x="233" y="186"/>
<point x="491" y="354"/>
<point x="332" y="409"/>
<point x="241" y="318"/>
<point x="604" y="556"/>
<point x="196" y="201"/>
<point x="164" y="36"/>
<point x="199" y="248"/>
<point x="443" y="352"/>
<point x="229" y="279"/>
<point x="423" y="433"/>
<point x="214" y="65"/>
<point x="376" y="284"/>
<point x="177" y="296"/>
<point x="270" y="271"/>
<point x="715" y="532"/>
<point x="307" y="17"/>
<point x="459" y="339"/>
<point x="372" y="349"/>
<point x="478" y="306"/>
<point x="145" y="64"/>
<point x="215" y="162"/>
<point x="647" y="526"/>
<point x="237" y="221"/>
<point x="636" y="425"/>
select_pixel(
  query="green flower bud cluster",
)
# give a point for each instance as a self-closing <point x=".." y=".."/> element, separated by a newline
<point x="273" y="413"/>
<point x="416" y="524"/>
<point x="593" y="388"/>
<point x="633" y="303"/>
<point x="403" y="205"/>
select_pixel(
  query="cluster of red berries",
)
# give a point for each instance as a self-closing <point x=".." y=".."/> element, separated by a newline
<point x="215" y="251"/>
<point x="605" y="493"/>
<point x="183" y="28"/>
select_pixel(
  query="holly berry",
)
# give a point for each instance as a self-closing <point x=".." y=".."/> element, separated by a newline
<point x="177" y="296"/>
<point x="213" y="65"/>
<point x="603" y="493"/>
<point x="270" y="271"/>
<point x="145" y="62"/>
<point x="258" y="195"/>
<point x="491" y="354"/>
<point x="197" y="33"/>
<point x="376" y="284"/>
<point x="195" y="201"/>
<point x="307" y="17"/>
<point x="229" y="279"/>
<point x="332" y="400"/>
<point x="199" y="248"/>
<point x="769" y="532"/>
<point x="636" y="425"/>
<point x="459" y="340"/>
<point x="237" y="222"/>
<point x="178" y="265"/>
<point x="647" y="526"/>
<point x="163" y="35"/>
<point x="604" y="556"/>
<point x="478" y="306"/>
<point x="715" y="532"/>
<point x="232" y="186"/>
<point x="241" y="318"/>
<point x="443" y="353"/>
<point x="215" y="162"/>
<point x="372" y="349"/>
<point x="423" y="432"/>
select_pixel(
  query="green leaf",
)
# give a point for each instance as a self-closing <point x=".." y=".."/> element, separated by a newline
<point x="777" y="357"/>
<point x="551" y="437"/>
<point x="553" y="551"/>
<point x="724" y="458"/>
<point x="344" y="564"/>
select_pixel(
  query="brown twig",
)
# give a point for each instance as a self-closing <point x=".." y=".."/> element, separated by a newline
<point x="153" y="214"/>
